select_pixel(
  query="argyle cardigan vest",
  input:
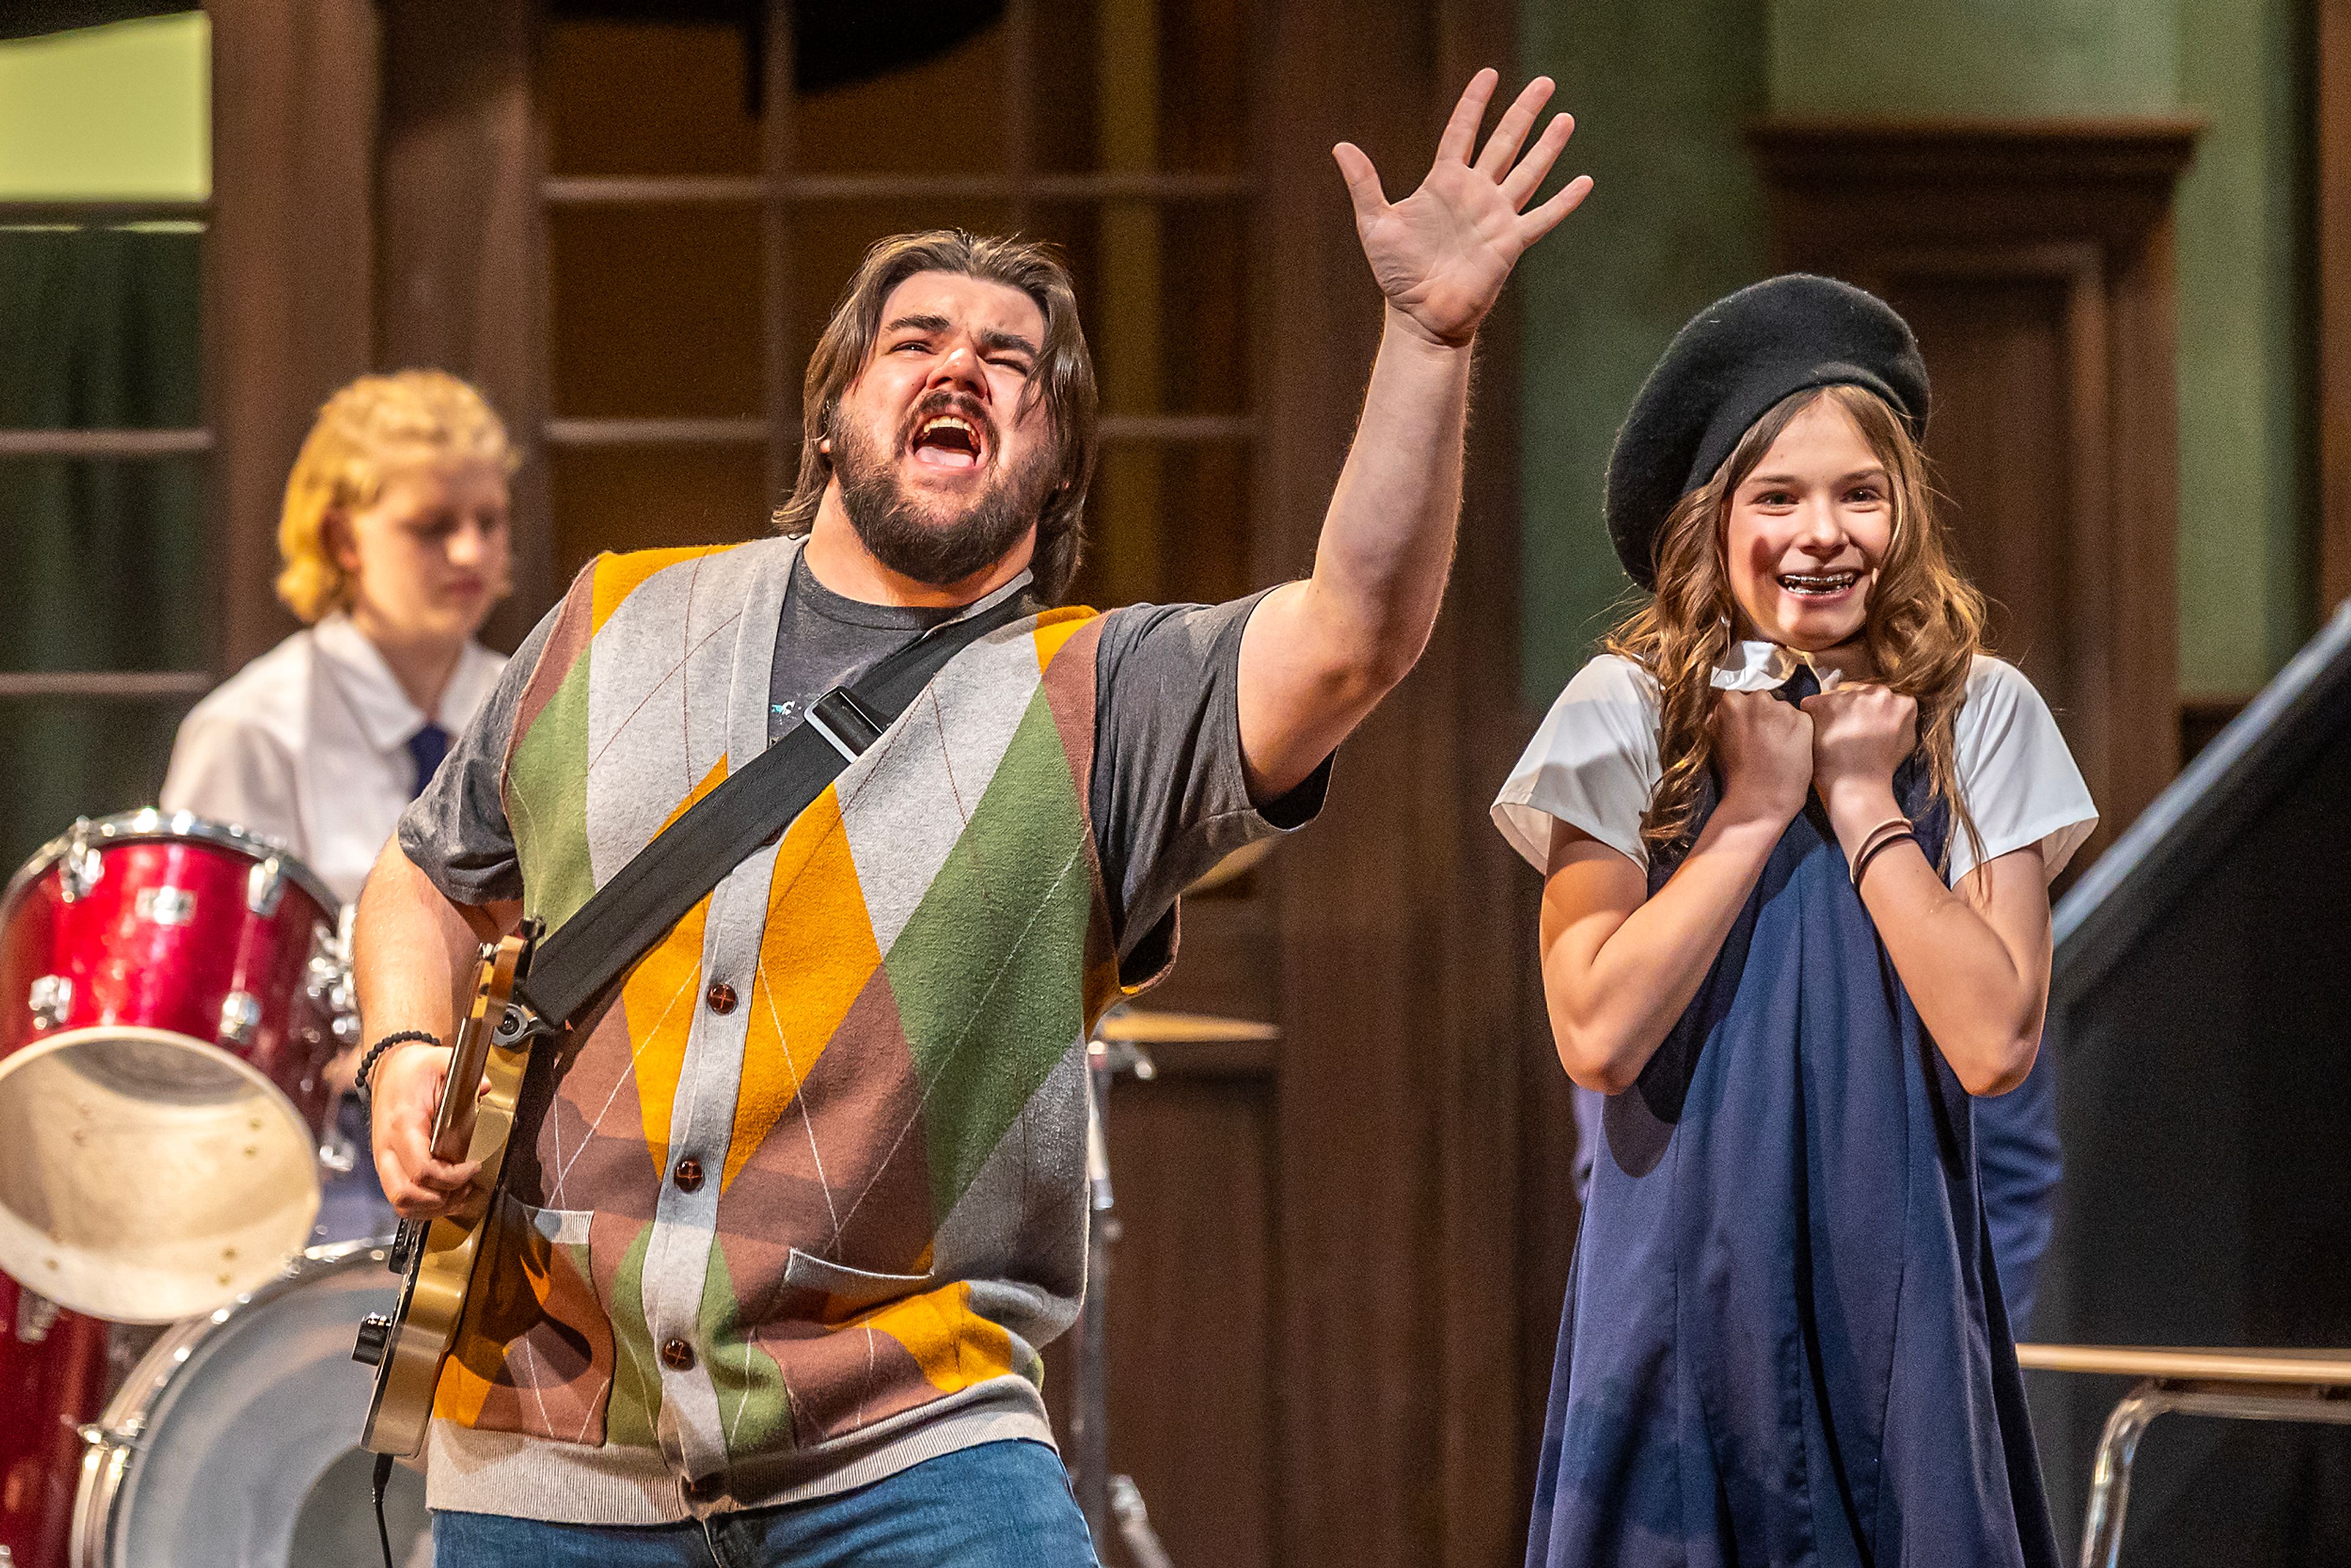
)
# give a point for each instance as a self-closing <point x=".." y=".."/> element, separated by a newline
<point x="818" y="1168"/>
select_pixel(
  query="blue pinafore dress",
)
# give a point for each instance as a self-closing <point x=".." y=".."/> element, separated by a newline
<point x="1784" y="1341"/>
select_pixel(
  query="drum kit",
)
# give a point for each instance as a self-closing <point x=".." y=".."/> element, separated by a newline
<point x="172" y="992"/>
<point x="176" y="1387"/>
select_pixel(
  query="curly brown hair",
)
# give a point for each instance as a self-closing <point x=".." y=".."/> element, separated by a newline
<point x="1063" y="379"/>
<point x="1923" y="626"/>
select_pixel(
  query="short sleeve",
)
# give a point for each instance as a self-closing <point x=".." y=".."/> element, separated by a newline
<point x="2016" y="774"/>
<point x="1170" y="796"/>
<point x="1592" y="764"/>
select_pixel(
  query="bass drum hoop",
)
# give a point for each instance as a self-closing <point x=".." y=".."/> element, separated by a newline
<point x="122" y="1431"/>
<point x="149" y="825"/>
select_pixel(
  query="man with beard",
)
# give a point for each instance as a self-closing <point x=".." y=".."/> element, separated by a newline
<point x="781" y="1231"/>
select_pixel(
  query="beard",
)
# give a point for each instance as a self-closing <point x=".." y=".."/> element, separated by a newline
<point x="911" y="536"/>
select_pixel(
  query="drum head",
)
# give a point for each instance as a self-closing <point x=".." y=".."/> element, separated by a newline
<point x="146" y="1178"/>
<point x="250" y="1456"/>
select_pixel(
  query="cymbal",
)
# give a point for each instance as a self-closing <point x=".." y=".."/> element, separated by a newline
<point x="1130" y="1026"/>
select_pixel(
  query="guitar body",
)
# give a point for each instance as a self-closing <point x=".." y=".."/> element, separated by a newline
<point x="409" y="1348"/>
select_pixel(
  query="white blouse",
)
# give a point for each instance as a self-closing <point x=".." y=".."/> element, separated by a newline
<point x="307" y="745"/>
<point x="1594" y="761"/>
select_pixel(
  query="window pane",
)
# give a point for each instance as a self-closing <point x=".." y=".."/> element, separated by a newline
<point x="1167" y="522"/>
<point x="62" y="757"/>
<point x="98" y="326"/>
<point x="1131" y="85"/>
<point x="647" y="498"/>
<point x="830" y="238"/>
<point x="105" y="564"/>
<point x="1163" y="290"/>
<point x="649" y="97"/>
<point x="926" y="99"/>
<point x="656" y="311"/>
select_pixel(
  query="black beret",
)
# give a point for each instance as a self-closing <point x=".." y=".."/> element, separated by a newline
<point x="1725" y="371"/>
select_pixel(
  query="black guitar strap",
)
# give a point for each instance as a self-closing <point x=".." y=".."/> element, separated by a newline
<point x="647" y="897"/>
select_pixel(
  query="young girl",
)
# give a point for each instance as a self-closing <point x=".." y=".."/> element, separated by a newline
<point x="1797" y="833"/>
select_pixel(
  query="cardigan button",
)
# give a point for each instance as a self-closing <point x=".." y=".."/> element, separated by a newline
<point x="721" y="997"/>
<point x="688" y="1174"/>
<point x="677" y="1356"/>
<point x="700" y="1488"/>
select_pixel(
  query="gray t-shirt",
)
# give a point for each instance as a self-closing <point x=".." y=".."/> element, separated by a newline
<point x="1168" y="796"/>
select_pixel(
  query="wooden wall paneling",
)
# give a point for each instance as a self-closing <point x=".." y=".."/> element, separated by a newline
<point x="1398" y="1354"/>
<point x="1490" y="1019"/>
<point x="460" y="247"/>
<point x="288" y="267"/>
<point x="2035" y="260"/>
<point x="2332" y="144"/>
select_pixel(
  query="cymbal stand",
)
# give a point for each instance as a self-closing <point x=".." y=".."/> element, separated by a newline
<point x="1102" y="1496"/>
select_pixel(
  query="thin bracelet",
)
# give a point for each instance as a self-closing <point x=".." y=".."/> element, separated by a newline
<point x="367" y="1062"/>
<point x="1888" y="842"/>
<point x="1869" y="844"/>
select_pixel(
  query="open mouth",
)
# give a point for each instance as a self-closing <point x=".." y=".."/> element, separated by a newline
<point x="948" y="441"/>
<point x="1818" y="584"/>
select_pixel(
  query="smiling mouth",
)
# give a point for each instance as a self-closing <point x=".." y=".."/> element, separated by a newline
<point x="1818" y="584"/>
<point x="947" y="441"/>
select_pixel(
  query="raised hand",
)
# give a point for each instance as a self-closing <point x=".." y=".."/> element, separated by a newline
<point x="1441" y="255"/>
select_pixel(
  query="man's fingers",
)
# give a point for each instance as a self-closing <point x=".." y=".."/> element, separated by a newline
<point x="1545" y="218"/>
<point x="1362" y="180"/>
<point x="1522" y="183"/>
<point x="1511" y="131"/>
<point x="1461" y="131"/>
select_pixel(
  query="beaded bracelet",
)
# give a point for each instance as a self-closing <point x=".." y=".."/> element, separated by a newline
<point x="367" y="1062"/>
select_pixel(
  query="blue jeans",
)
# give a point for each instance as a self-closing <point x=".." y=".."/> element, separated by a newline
<point x="1000" y="1505"/>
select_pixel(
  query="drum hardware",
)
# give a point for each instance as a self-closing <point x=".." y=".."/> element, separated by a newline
<point x="130" y="1436"/>
<point x="240" y="1016"/>
<point x="264" y="885"/>
<point x="164" y="905"/>
<point x="49" y="999"/>
<point x="35" y="1316"/>
<point x="81" y="868"/>
<point x="1116" y="1049"/>
<point x="1134" y="1524"/>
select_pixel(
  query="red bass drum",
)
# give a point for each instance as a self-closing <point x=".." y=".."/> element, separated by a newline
<point x="169" y="1000"/>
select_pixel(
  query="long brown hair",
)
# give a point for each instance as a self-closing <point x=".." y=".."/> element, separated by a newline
<point x="1923" y="626"/>
<point x="1063" y="377"/>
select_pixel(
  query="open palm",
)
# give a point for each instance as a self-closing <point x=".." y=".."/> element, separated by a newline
<point x="1442" y="254"/>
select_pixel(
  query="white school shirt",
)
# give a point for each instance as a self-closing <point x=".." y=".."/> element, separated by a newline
<point x="1594" y="761"/>
<point x="307" y="745"/>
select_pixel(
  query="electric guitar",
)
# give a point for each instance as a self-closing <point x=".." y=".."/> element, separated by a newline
<point x="439" y="1255"/>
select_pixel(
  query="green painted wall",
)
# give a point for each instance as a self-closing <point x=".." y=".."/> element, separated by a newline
<point x="123" y="110"/>
<point x="1663" y="90"/>
<point x="1973" y="57"/>
<point x="2245" y="454"/>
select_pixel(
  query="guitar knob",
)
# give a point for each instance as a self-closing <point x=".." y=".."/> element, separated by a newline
<point x="375" y="1337"/>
